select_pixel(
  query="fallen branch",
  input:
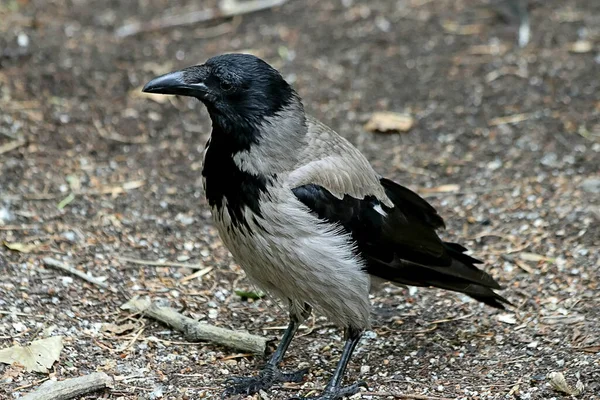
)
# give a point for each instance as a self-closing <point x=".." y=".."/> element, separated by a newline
<point x="227" y="8"/>
<point x="194" y="330"/>
<point x="51" y="262"/>
<point x="70" y="388"/>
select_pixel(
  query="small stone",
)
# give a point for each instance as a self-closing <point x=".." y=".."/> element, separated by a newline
<point x="549" y="160"/>
<point x="70" y="236"/>
<point x="23" y="40"/>
<point x="184" y="219"/>
<point x="591" y="185"/>
<point x="494" y="165"/>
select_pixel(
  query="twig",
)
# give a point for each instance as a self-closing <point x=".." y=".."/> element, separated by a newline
<point x="465" y="192"/>
<point x="441" y="321"/>
<point x="509" y="119"/>
<point x="194" y="330"/>
<point x="131" y="342"/>
<point x="71" y="388"/>
<point x="151" y="263"/>
<point x="32" y="384"/>
<point x="405" y="396"/>
<point x="51" y="262"/>
<point x="116" y="136"/>
<point x="18" y="227"/>
<point x="198" y="274"/>
<point x="227" y="8"/>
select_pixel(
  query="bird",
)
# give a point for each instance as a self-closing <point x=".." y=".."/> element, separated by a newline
<point x="306" y="216"/>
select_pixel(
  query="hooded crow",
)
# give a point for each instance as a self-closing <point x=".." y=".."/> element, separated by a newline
<point x="305" y="215"/>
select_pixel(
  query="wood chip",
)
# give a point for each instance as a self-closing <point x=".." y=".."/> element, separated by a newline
<point x="581" y="46"/>
<point x="389" y="122"/>
<point x="509" y="119"/>
<point x="10" y="146"/>
<point x="507" y="319"/>
<point x="562" y="319"/>
<point x="449" y="188"/>
<point x="535" y="257"/>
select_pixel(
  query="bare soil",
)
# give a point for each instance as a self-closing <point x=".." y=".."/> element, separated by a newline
<point x="506" y="145"/>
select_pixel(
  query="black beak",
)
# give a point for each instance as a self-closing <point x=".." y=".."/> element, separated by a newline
<point x="174" y="83"/>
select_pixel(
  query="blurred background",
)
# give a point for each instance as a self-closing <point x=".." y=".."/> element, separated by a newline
<point x="491" y="110"/>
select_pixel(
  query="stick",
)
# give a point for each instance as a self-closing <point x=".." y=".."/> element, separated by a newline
<point x="405" y="396"/>
<point x="151" y="263"/>
<point x="227" y="8"/>
<point x="51" y="262"/>
<point x="70" y="388"/>
<point x="194" y="330"/>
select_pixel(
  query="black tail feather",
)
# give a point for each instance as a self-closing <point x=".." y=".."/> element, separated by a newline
<point x="460" y="276"/>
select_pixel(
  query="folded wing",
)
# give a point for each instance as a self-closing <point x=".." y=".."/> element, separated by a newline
<point x="400" y="243"/>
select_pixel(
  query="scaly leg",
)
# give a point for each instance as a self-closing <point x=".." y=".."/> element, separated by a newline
<point x="271" y="373"/>
<point x="334" y="389"/>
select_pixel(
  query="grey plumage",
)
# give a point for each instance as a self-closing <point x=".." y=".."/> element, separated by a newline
<point x="288" y="251"/>
<point x="304" y="213"/>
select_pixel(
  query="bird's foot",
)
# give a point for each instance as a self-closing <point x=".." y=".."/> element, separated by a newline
<point x="265" y="379"/>
<point x="337" y="393"/>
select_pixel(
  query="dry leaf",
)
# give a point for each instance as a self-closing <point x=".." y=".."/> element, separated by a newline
<point x="559" y="383"/>
<point x="590" y="349"/>
<point x="389" y="122"/>
<point x="21" y="247"/>
<point x="507" y="319"/>
<point x="13" y="371"/>
<point x="581" y="46"/>
<point x="118" y="329"/>
<point x="38" y="356"/>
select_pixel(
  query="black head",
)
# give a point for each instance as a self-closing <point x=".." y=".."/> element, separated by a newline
<point x="234" y="87"/>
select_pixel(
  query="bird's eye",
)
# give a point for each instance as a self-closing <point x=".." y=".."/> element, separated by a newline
<point x="226" y="86"/>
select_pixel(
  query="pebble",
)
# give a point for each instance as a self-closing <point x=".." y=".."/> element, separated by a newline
<point x="23" y="40"/>
<point x="591" y="185"/>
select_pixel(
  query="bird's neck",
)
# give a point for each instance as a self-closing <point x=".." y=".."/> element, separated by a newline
<point x="242" y="160"/>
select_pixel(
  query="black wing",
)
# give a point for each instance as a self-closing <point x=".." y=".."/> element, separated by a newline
<point x="400" y="244"/>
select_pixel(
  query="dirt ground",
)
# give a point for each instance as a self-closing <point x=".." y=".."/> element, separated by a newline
<point x="506" y="144"/>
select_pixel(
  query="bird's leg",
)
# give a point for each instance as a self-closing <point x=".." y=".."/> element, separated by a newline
<point x="271" y="374"/>
<point x="334" y="389"/>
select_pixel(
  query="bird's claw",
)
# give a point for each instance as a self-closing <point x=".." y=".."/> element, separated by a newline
<point x="336" y="394"/>
<point x="267" y="377"/>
